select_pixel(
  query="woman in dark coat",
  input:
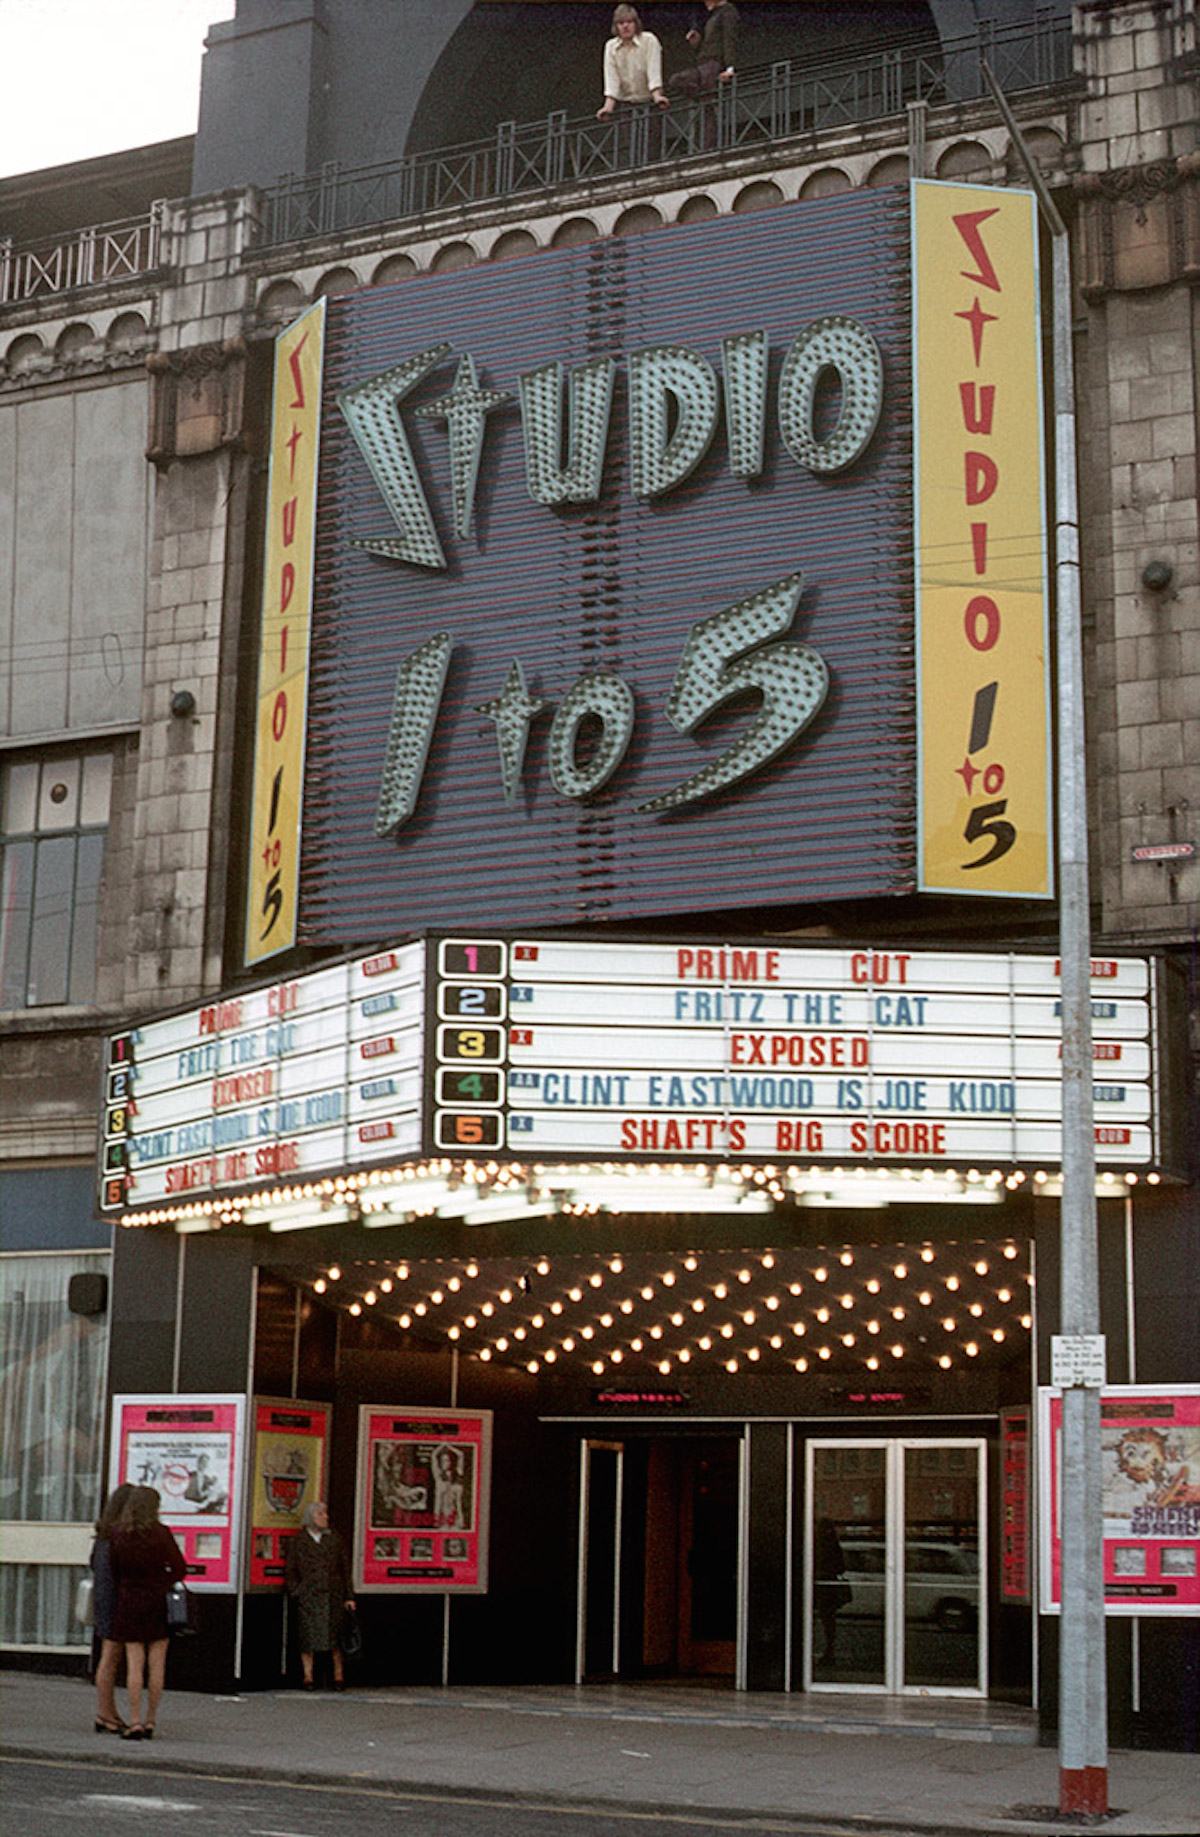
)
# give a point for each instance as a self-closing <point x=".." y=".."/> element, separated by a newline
<point x="146" y="1562"/>
<point x="318" y="1580"/>
<point x="104" y="1606"/>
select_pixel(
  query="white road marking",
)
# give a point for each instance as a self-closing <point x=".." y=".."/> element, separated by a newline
<point x="128" y="1802"/>
<point x="637" y="1753"/>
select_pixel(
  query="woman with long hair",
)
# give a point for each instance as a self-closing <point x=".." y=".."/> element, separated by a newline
<point x="146" y="1562"/>
<point x="104" y="1603"/>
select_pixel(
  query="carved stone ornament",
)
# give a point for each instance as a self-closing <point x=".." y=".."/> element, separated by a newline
<point x="1139" y="227"/>
<point x="197" y="401"/>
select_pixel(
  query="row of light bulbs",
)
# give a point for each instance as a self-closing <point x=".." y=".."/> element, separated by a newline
<point x="770" y="1312"/>
<point x="370" y="1192"/>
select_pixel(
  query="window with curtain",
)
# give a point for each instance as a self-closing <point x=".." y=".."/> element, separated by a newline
<point x="51" y="1434"/>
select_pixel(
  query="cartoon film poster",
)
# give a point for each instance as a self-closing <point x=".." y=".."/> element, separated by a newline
<point x="191" y="1450"/>
<point x="424" y="1480"/>
<point x="1150" y="1454"/>
<point x="288" y="1465"/>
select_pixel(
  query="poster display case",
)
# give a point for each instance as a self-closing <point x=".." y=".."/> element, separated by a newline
<point x="424" y="1485"/>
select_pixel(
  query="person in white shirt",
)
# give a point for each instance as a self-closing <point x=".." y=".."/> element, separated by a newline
<point x="632" y="64"/>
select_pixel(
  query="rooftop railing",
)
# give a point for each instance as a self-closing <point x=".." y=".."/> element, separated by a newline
<point x="760" y="106"/>
<point x="104" y="253"/>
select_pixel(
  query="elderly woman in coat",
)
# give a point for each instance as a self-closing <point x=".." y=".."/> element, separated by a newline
<point x="318" y="1580"/>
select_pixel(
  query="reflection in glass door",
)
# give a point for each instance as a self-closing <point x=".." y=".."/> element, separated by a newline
<point x="896" y="1566"/>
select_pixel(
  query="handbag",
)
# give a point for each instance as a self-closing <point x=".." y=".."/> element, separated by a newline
<point x="352" y="1640"/>
<point x="85" y="1601"/>
<point x="179" y="1609"/>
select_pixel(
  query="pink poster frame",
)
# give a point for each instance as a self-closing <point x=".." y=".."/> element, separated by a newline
<point x="191" y="1448"/>
<point x="423" y="1500"/>
<point x="1150" y="1478"/>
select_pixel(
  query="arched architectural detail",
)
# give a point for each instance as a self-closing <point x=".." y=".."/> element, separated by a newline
<point x="336" y="281"/>
<point x="394" y="268"/>
<point x="698" y="209"/>
<point x="572" y="232"/>
<point x="894" y="170"/>
<point x="281" y="300"/>
<point x="1047" y="148"/>
<point x="128" y="332"/>
<point x="512" y="244"/>
<point x="637" y="220"/>
<point x="73" y="340"/>
<point x="764" y="194"/>
<point x="966" y="159"/>
<point x="23" y="353"/>
<point x="826" y="182"/>
<point x="452" y="257"/>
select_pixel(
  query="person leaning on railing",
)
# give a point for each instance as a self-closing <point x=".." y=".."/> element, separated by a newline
<point x="716" y="49"/>
<point x="632" y="64"/>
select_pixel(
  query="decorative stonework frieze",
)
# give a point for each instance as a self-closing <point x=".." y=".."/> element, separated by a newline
<point x="1139" y="227"/>
<point x="197" y="401"/>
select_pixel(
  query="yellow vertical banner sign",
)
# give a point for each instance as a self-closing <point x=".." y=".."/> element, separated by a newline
<point x="273" y="877"/>
<point x="983" y="677"/>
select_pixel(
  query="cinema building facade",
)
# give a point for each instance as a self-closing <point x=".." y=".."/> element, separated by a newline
<point x="574" y="1068"/>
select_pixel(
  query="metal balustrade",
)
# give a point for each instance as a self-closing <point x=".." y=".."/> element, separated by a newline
<point x="102" y="254"/>
<point x="762" y="106"/>
<point x="775" y="103"/>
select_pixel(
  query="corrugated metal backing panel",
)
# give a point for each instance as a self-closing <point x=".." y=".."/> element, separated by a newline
<point x="618" y="583"/>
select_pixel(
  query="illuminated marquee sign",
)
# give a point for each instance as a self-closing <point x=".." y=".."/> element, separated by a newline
<point x="615" y="568"/>
<point x="549" y="1048"/>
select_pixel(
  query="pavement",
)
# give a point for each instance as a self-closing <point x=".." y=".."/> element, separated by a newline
<point x="850" y="1763"/>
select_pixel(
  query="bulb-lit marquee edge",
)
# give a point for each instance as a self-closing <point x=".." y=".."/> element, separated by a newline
<point x="481" y="1193"/>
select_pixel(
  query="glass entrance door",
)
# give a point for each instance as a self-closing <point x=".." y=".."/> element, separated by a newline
<point x="896" y="1569"/>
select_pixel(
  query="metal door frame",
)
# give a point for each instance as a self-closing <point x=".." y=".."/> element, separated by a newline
<point x="896" y="1448"/>
<point x="586" y="1447"/>
<point x="742" y="1580"/>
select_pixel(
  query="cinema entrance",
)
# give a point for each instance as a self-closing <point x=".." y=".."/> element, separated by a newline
<point x="896" y="1566"/>
<point x="660" y="1538"/>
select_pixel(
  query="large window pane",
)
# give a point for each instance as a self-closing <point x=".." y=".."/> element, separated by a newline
<point x="18" y="805"/>
<point x="97" y="790"/>
<point x="16" y="906"/>
<point x="37" y="1606"/>
<point x="88" y="866"/>
<point x="53" y="890"/>
<point x="54" y="814"/>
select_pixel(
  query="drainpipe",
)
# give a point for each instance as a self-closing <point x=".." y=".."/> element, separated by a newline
<point x="1082" y="1689"/>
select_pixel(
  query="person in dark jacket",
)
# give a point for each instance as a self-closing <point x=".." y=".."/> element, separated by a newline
<point x="715" y="47"/>
<point x="106" y="1650"/>
<point x="318" y="1580"/>
<point x="146" y="1562"/>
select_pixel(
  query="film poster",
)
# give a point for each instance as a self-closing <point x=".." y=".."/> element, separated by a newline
<point x="424" y="1482"/>
<point x="190" y="1449"/>
<point x="287" y="1474"/>
<point x="1150" y="1468"/>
